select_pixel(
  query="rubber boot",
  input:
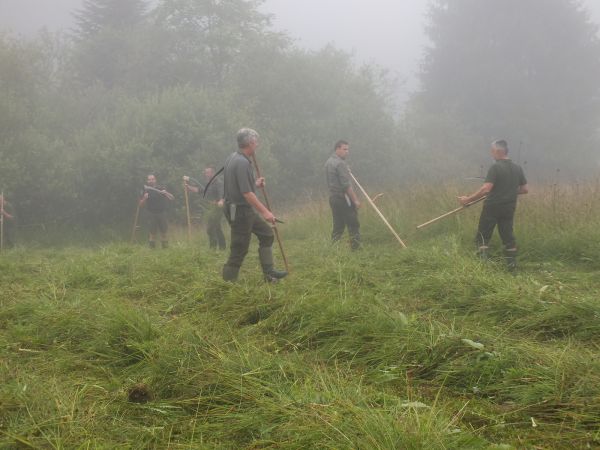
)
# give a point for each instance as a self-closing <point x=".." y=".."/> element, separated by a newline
<point x="483" y="253"/>
<point x="152" y="244"/>
<point x="510" y="256"/>
<point x="230" y="273"/>
<point x="265" y="255"/>
<point x="165" y="244"/>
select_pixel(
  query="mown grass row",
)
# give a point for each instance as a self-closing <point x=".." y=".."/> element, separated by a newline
<point x="121" y="347"/>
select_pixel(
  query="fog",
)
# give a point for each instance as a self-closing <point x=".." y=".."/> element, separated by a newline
<point x="419" y="89"/>
<point x="388" y="33"/>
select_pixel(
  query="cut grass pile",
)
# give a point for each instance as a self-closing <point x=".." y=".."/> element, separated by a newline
<point x="123" y="347"/>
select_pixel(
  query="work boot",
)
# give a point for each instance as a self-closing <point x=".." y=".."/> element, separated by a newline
<point x="274" y="275"/>
<point x="230" y="273"/>
<point x="510" y="256"/>
<point x="265" y="255"/>
<point x="165" y="244"/>
<point x="483" y="253"/>
<point x="152" y="244"/>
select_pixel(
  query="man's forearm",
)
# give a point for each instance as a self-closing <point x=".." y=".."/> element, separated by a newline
<point x="253" y="200"/>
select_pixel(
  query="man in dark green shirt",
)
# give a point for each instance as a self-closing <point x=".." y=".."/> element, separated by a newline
<point x="8" y="222"/>
<point x="242" y="209"/>
<point x="342" y="199"/>
<point x="214" y="215"/>
<point x="156" y="199"/>
<point x="505" y="180"/>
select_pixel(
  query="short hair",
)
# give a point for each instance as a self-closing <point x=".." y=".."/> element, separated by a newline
<point x="339" y="143"/>
<point x="500" y="144"/>
<point x="245" y="136"/>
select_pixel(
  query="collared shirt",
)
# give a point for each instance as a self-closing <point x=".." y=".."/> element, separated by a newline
<point x="157" y="202"/>
<point x="214" y="193"/>
<point x="338" y="175"/>
<point x="506" y="176"/>
<point x="238" y="178"/>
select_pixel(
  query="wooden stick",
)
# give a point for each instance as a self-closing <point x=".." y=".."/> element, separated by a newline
<point x="2" y="222"/>
<point x="187" y="210"/>
<point x="372" y="203"/>
<point x="454" y="211"/>
<point x="268" y="204"/>
<point x="135" y="222"/>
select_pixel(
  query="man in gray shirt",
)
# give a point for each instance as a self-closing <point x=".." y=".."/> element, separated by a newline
<point x="242" y="209"/>
<point x="342" y="199"/>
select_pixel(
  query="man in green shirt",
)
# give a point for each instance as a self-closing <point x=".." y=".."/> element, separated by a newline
<point x="342" y="199"/>
<point x="8" y="222"/>
<point x="156" y="199"/>
<point x="505" y="180"/>
<point x="245" y="212"/>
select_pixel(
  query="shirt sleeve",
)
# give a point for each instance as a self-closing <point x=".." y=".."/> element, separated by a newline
<point x="492" y="175"/>
<point x="343" y="175"/>
<point x="522" y="179"/>
<point x="243" y="175"/>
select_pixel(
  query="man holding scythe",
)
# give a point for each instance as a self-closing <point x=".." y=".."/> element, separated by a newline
<point x="505" y="180"/>
<point x="155" y="199"/>
<point x="342" y="199"/>
<point x="214" y="215"/>
<point x="245" y="213"/>
<point x="8" y="218"/>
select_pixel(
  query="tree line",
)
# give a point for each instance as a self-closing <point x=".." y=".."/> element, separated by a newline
<point x="139" y="87"/>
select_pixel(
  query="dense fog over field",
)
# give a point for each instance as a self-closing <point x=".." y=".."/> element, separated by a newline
<point x="95" y="94"/>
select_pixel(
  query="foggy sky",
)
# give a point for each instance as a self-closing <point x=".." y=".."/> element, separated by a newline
<point x="388" y="33"/>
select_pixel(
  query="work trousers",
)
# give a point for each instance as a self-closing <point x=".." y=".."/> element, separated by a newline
<point x="501" y="215"/>
<point x="157" y="221"/>
<point x="214" y="218"/>
<point x="245" y="223"/>
<point x="344" y="215"/>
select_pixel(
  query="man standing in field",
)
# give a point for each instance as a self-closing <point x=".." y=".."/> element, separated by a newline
<point x="242" y="209"/>
<point x="342" y="199"/>
<point x="156" y="199"/>
<point x="214" y="213"/>
<point x="505" y="180"/>
<point x="8" y="222"/>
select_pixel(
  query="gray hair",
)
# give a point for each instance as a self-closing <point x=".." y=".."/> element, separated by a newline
<point x="245" y="136"/>
<point x="500" y="144"/>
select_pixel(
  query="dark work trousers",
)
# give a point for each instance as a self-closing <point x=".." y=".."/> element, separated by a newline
<point x="501" y="215"/>
<point x="157" y="221"/>
<point x="214" y="218"/>
<point x="245" y="223"/>
<point x="344" y="215"/>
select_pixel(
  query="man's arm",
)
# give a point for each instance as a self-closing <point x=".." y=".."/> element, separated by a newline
<point x="523" y="189"/>
<point x="484" y="190"/>
<point x="253" y="200"/>
<point x="143" y="199"/>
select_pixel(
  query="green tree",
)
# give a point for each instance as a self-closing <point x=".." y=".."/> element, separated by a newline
<point x="527" y="71"/>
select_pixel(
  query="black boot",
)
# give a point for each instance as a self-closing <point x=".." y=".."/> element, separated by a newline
<point x="483" y="253"/>
<point x="510" y="256"/>
<point x="230" y="273"/>
<point x="265" y="254"/>
<point x="274" y="275"/>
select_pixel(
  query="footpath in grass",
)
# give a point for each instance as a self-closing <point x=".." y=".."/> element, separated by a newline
<point x="123" y="347"/>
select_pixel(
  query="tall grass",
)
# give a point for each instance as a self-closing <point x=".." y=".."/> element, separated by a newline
<point x="124" y="347"/>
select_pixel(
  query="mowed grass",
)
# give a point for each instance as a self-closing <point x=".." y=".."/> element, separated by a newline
<point x="123" y="347"/>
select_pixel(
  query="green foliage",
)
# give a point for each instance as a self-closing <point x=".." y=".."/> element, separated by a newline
<point x="524" y="72"/>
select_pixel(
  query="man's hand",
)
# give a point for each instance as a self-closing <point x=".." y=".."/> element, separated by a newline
<point x="221" y="203"/>
<point x="186" y="178"/>
<point x="167" y="194"/>
<point x="260" y="182"/>
<point x="463" y="200"/>
<point x="357" y="204"/>
<point x="269" y="217"/>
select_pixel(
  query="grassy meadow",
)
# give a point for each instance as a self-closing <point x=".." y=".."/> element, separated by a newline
<point x="118" y="346"/>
